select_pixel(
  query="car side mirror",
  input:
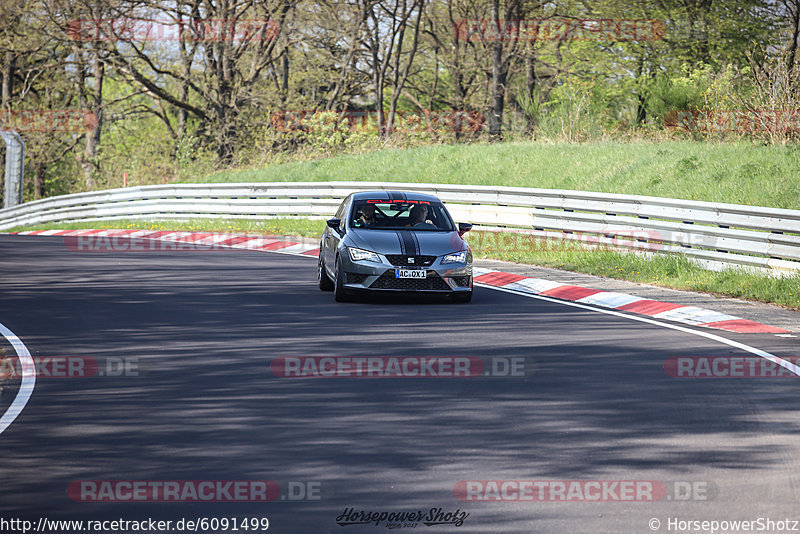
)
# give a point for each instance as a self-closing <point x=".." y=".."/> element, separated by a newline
<point x="334" y="224"/>
<point x="463" y="228"/>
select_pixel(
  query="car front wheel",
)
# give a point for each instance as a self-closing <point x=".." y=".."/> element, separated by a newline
<point x="325" y="283"/>
<point x="339" y="292"/>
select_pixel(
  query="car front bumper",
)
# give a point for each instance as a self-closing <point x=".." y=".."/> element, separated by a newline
<point x="373" y="276"/>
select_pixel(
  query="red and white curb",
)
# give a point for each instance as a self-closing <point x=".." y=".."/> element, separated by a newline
<point x="689" y="315"/>
<point x="201" y="239"/>
<point x="669" y="311"/>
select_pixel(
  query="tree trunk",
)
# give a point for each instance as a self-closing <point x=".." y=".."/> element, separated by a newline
<point x="284" y="78"/>
<point x="38" y="181"/>
<point x="699" y="22"/>
<point x="641" y="111"/>
<point x="378" y="68"/>
<point x="459" y="93"/>
<point x="183" y="94"/>
<point x="530" y="89"/>
<point x="90" y="165"/>
<point x="400" y="76"/>
<point x="794" y="12"/>
<point x="8" y="78"/>
<point x="498" y="83"/>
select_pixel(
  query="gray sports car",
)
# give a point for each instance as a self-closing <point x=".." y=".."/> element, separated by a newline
<point x="394" y="242"/>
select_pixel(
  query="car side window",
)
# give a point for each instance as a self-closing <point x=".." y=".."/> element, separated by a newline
<point x="341" y="213"/>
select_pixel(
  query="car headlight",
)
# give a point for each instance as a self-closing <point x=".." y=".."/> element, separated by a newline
<point x="455" y="257"/>
<point x="357" y="254"/>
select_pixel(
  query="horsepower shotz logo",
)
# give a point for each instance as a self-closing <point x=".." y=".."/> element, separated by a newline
<point x="396" y="519"/>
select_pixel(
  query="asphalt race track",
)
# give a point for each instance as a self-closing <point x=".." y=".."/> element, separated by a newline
<point x="199" y="401"/>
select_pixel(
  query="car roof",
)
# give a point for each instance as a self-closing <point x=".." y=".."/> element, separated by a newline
<point x="394" y="195"/>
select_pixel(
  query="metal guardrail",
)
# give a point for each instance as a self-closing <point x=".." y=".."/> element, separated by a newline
<point x="712" y="233"/>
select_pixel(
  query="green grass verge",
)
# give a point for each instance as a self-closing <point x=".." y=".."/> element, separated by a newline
<point x="738" y="173"/>
<point x="666" y="271"/>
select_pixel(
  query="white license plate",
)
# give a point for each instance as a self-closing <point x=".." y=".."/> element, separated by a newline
<point x="410" y="273"/>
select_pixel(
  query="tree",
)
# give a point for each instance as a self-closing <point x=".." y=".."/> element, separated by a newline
<point x="235" y="41"/>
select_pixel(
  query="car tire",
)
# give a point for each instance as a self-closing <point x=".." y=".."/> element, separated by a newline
<point x="339" y="292"/>
<point x="325" y="282"/>
<point x="462" y="297"/>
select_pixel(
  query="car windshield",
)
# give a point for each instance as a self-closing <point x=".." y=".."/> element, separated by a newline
<point x="400" y="215"/>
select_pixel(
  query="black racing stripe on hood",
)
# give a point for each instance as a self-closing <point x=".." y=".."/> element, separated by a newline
<point x="416" y="243"/>
<point x="402" y="243"/>
<point x="408" y="245"/>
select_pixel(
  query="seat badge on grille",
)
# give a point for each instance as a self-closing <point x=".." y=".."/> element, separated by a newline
<point x="411" y="260"/>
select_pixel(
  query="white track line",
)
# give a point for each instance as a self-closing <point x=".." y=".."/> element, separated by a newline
<point x="752" y="350"/>
<point x="758" y="352"/>
<point x="28" y="378"/>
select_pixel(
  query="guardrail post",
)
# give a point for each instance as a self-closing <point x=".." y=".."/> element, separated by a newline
<point x="15" y="168"/>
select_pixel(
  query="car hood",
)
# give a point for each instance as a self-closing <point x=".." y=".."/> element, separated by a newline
<point x="427" y="243"/>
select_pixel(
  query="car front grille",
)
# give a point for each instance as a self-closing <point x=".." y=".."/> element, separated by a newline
<point x="401" y="260"/>
<point x="433" y="282"/>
